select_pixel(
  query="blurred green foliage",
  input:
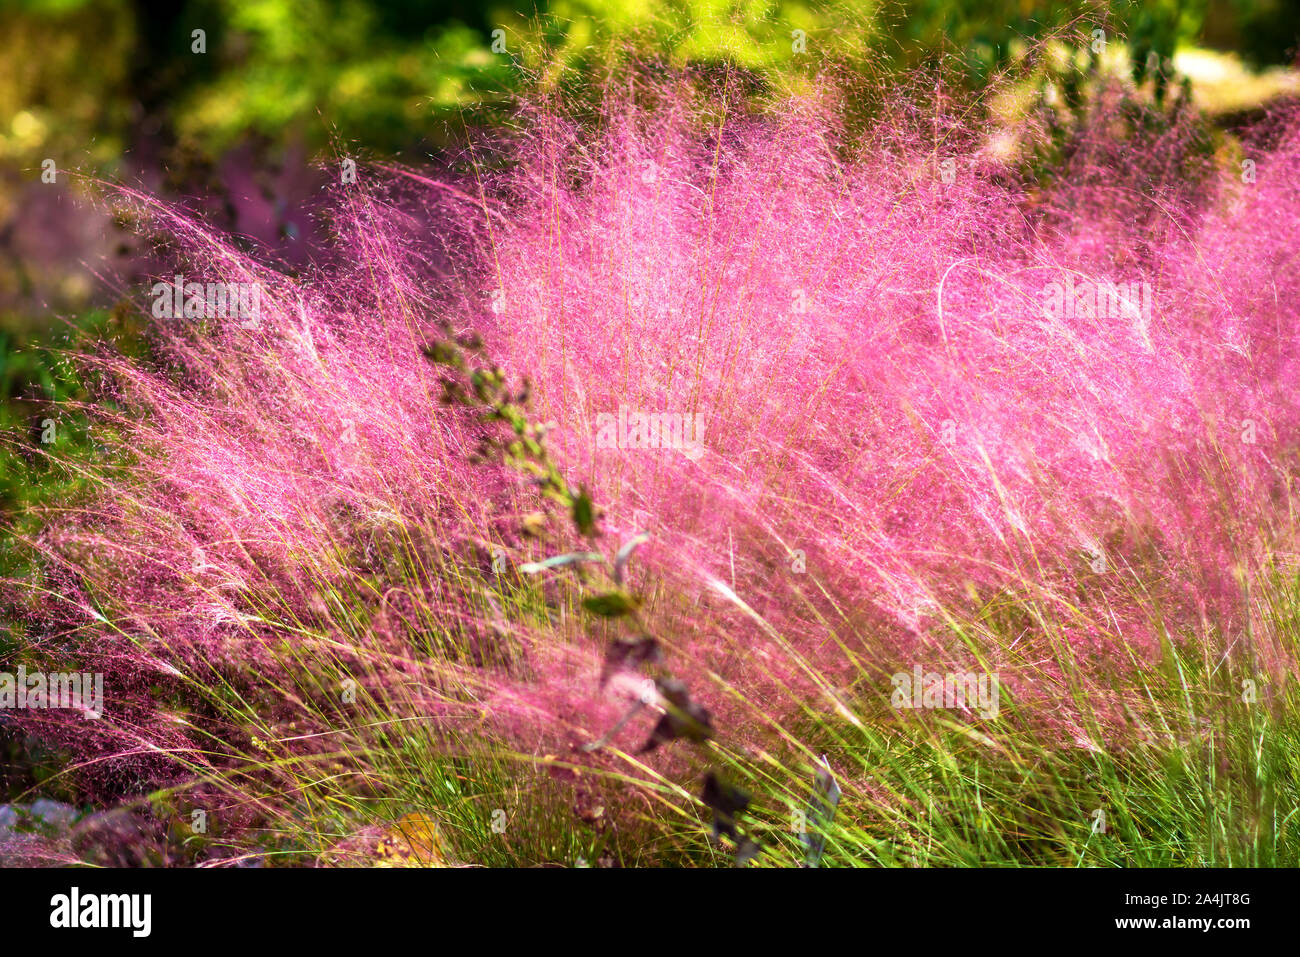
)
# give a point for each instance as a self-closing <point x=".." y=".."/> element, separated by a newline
<point x="404" y="74"/>
<point x="381" y="75"/>
<point x="64" y="80"/>
<point x="1264" y="32"/>
<point x="41" y="431"/>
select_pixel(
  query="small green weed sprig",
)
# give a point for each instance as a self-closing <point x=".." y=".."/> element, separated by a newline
<point x="484" y="389"/>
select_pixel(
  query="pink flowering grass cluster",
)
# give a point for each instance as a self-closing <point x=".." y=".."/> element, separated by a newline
<point x="923" y="440"/>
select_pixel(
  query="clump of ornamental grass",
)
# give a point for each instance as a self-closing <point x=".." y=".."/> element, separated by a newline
<point x="599" y="490"/>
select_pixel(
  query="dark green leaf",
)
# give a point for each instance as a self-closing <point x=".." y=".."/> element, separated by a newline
<point x="612" y="604"/>
<point x="584" y="513"/>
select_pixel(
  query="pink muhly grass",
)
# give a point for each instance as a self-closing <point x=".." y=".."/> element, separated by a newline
<point x="905" y="460"/>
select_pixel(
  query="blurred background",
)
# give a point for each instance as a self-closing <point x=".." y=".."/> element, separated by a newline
<point x="230" y="104"/>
